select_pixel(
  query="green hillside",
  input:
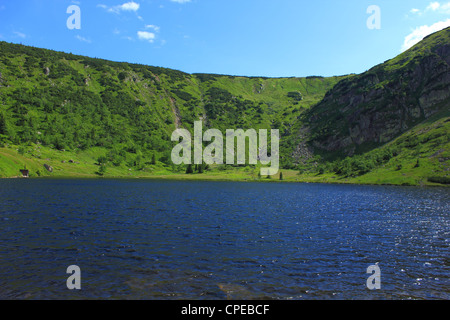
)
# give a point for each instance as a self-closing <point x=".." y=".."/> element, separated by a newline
<point x="69" y="102"/>
<point x="88" y="117"/>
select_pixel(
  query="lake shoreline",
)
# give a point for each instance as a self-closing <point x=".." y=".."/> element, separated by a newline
<point x="196" y="178"/>
<point x="64" y="164"/>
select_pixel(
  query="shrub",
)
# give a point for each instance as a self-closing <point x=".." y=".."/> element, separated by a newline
<point x="297" y="96"/>
<point x="101" y="160"/>
<point x="122" y="76"/>
<point x="102" y="170"/>
<point x="441" y="180"/>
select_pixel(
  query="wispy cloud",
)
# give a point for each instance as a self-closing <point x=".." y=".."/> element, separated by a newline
<point x="147" y="33"/>
<point x="433" y="7"/>
<point x="439" y="7"/>
<point x="153" y="27"/>
<point x="20" y="34"/>
<point x="128" y="6"/>
<point x="419" y="33"/>
<point x="83" y="39"/>
<point x="147" y="36"/>
<point x="181" y="1"/>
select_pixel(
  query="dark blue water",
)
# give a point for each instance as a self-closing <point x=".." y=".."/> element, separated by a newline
<point x="218" y="240"/>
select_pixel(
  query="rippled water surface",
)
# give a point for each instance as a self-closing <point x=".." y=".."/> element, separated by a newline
<point x="218" y="240"/>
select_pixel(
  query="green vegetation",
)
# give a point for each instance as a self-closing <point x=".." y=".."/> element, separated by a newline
<point x="68" y="102"/>
<point x="86" y="117"/>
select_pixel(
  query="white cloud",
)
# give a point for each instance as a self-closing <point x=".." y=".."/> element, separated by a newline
<point x="128" y="6"/>
<point x="433" y="6"/>
<point x="83" y="39"/>
<point x="421" y="32"/>
<point x="147" y="36"/>
<point x="415" y="11"/>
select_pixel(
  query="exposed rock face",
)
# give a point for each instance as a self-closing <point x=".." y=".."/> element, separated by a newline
<point x="302" y="153"/>
<point x="377" y="106"/>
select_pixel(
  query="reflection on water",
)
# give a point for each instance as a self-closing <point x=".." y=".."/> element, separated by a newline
<point x="220" y="240"/>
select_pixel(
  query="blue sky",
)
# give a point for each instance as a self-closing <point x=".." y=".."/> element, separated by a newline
<point x="271" y="38"/>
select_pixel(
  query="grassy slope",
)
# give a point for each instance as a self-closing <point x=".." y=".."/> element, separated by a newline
<point x="432" y="137"/>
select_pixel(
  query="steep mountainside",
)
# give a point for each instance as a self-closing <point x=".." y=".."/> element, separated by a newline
<point x="371" y="109"/>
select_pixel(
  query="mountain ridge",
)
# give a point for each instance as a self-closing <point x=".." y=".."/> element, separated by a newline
<point x="126" y="112"/>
